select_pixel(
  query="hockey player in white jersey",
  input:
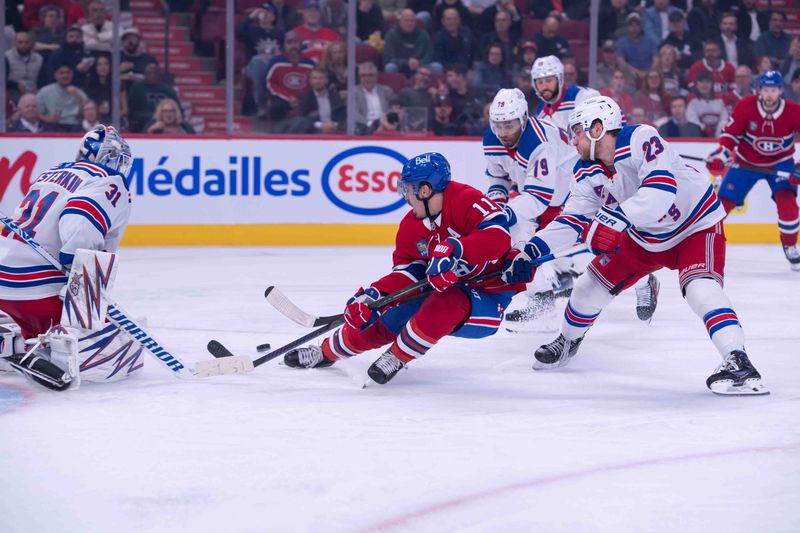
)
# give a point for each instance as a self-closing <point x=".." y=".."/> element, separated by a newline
<point x="76" y="205"/>
<point x="641" y="208"/>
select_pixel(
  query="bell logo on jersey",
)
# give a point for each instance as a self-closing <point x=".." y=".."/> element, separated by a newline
<point x="364" y="180"/>
<point x="768" y="145"/>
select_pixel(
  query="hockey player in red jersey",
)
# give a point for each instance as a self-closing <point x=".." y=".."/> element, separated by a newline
<point x="760" y="134"/>
<point x="452" y="234"/>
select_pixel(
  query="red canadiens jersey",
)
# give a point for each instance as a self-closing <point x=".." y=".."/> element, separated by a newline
<point x="477" y="222"/>
<point x="761" y="139"/>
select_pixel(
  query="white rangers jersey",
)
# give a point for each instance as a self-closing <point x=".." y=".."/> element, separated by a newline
<point x="661" y="198"/>
<point x="558" y="113"/>
<point x="70" y="206"/>
<point x="537" y="167"/>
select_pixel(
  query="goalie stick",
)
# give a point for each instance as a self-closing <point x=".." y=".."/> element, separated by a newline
<point x="118" y="316"/>
<point x="227" y="363"/>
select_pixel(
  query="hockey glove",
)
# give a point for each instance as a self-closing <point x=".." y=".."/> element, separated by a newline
<point x="498" y="194"/>
<point x="606" y="231"/>
<point x="517" y="267"/>
<point x="444" y="260"/>
<point x="357" y="313"/>
<point x="794" y="179"/>
<point x="718" y="160"/>
<point x="510" y="215"/>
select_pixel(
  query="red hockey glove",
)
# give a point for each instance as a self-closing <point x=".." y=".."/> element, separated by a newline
<point x="606" y="231"/>
<point x="357" y="313"/>
<point x="718" y="160"/>
<point x="445" y="258"/>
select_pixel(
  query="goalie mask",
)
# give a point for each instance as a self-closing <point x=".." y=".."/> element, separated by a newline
<point x="105" y="146"/>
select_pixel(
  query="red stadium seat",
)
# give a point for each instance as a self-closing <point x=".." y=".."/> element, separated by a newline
<point x="395" y="80"/>
<point x="530" y="26"/>
<point x="574" y="29"/>
<point x="580" y="49"/>
<point x="365" y="52"/>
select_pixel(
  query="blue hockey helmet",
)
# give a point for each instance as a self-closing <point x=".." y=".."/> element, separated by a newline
<point x="770" y="78"/>
<point x="105" y="146"/>
<point x="431" y="168"/>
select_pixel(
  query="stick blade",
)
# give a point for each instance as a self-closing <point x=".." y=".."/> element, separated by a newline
<point x="287" y="308"/>
<point x="235" y="364"/>
<point x="217" y="349"/>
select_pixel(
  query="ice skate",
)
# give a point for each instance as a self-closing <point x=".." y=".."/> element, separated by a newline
<point x="385" y="367"/>
<point x="736" y="376"/>
<point x="556" y="354"/>
<point x="793" y="256"/>
<point x="306" y="357"/>
<point x="647" y="299"/>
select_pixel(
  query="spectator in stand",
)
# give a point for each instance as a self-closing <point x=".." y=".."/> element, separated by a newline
<point x="454" y="43"/>
<point x="527" y="56"/>
<point x="391" y="9"/>
<point x="50" y="34"/>
<point x="262" y="41"/>
<point x="321" y="110"/>
<point x="793" y="91"/>
<point x="667" y="64"/>
<point x="548" y="41"/>
<point x="705" y="108"/>
<point x="417" y="100"/>
<point x="168" y="119"/>
<point x="27" y="120"/>
<point x="491" y="74"/>
<point x="704" y="19"/>
<point x="617" y="90"/>
<point x="571" y="74"/>
<point x="656" y="19"/>
<point x="721" y="71"/>
<point x="736" y="50"/>
<point x="98" y="89"/>
<point x="31" y="9"/>
<point x="333" y="14"/>
<point x="132" y="60"/>
<point x="443" y="122"/>
<point x="467" y="101"/>
<point x="60" y="102"/>
<point x="369" y="19"/>
<point x="638" y="116"/>
<point x="407" y="46"/>
<point x="488" y="21"/>
<point x="372" y="99"/>
<point x="525" y="84"/>
<point x="678" y="125"/>
<point x="424" y="11"/>
<point x="775" y="42"/>
<point x="502" y="34"/>
<point x="652" y="97"/>
<point x="22" y="66"/>
<point x="791" y="62"/>
<point x="458" y="5"/>
<point x="636" y="48"/>
<point x="609" y="63"/>
<point x="742" y="86"/>
<point x="77" y="11"/>
<point x="71" y="53"/>
<point x="98" y="30"/>
<point x="334" y="61"/>
<point x="612" y="19"/>
<point x="89" y="117"/>
<point x="688" y="45"/>
<point x="571" y="9"/>
<point x="287" y="78"/>
<point x="313" y="36"/>
<point x="144" y="96"/>
<point x="751" y="20"/>
<point x="288" y="17"/>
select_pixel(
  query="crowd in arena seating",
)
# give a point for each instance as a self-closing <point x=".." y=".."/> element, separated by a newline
<point x="423" y="65"/>
<point x="58" y="73"/>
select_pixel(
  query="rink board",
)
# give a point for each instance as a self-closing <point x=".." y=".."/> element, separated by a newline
<point x="287" y="191"/>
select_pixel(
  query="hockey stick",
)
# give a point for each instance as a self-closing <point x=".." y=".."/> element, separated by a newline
<point x="117" y="315"/>
<point x="240" y="364"/>
<point x="768" y="171"/>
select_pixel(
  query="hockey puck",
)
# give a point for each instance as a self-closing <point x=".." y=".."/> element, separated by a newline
<point x="263" y="347"/>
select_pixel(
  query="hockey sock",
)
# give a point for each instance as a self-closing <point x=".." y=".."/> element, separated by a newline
<point x="788" y="216"/>
<point x="347" y="341"/>
<point x="584" y="306"/>
<point x="710" y="303"/>
<point x="437" y="318"/>
<point x="729" y="205"/>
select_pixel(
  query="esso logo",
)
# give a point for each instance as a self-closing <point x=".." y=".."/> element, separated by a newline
<point x="364" y="180"/>
<point x="768" y="145"/>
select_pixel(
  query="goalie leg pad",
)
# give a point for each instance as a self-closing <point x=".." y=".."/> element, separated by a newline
<point x="90" y="279"/>
<point x="108" y="354"/>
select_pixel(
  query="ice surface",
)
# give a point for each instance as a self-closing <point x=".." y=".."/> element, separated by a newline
<point x="626" y="439"/>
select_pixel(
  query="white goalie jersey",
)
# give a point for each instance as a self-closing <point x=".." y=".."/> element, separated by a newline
<point x="662" y="199"/>
<point x="70" y="206"/>
<point x="536" y="167"/>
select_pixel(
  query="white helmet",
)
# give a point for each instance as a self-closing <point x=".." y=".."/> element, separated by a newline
<point x="545" y="67"/>
<point x="600" y="108"/>
<point x="508" y="104"/>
